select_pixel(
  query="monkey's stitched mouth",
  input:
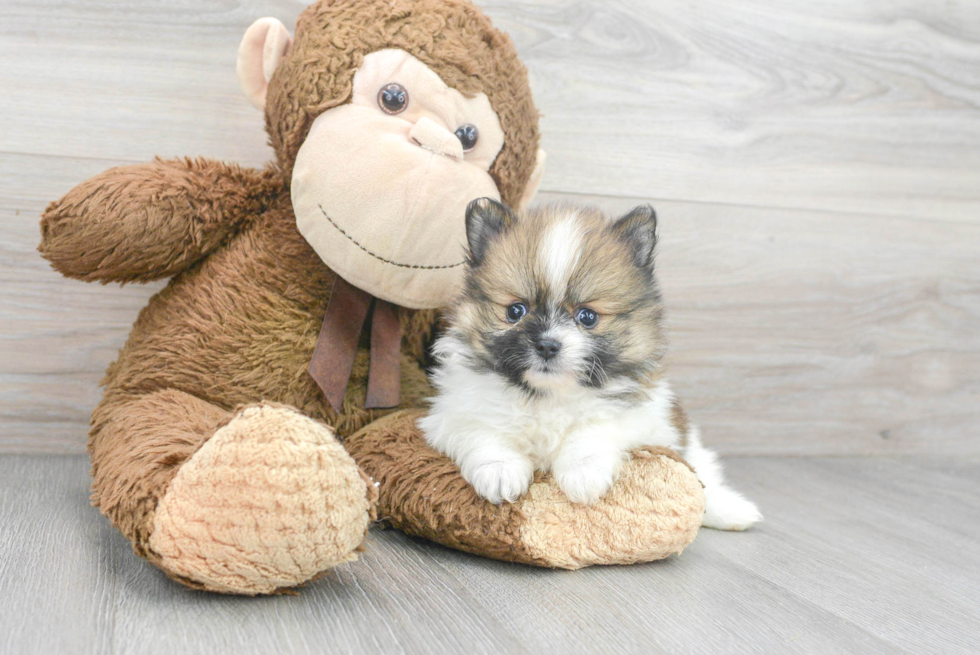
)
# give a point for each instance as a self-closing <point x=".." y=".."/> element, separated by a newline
<point x="379" y="257"/>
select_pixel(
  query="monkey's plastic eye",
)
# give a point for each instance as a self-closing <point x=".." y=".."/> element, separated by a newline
<point x="393" y="98"/>
<point x="467" y="135"/>
<point x="516" y="311"/>
<point x="586" y="317"/>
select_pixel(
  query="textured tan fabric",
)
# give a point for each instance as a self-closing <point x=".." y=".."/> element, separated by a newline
<point x="269" y="501"/>
<point x="653" y="511"/>
<point x="138" y="445"/>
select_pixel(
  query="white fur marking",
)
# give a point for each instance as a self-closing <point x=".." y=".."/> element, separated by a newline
<point x="560" y="251"/>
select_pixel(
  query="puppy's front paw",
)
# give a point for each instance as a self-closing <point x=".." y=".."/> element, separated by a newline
<point x="499" y="479"/>
<point x="585" y="481"/>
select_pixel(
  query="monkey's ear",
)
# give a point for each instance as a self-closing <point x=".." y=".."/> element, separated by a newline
<point x="485" y="219"/>
<point x="639" y="229"/>
<point x="262" y="48"/>
<point x="533" y="182"/>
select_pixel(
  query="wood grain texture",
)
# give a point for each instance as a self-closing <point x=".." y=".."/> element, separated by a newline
<point x="869" y="555"/>
<point x="870" y="106"/>
<point x="128" y="80"/>
<point x="816" y="168"/>
<point x="56" y="336"/>
<point x="794" y="330"/>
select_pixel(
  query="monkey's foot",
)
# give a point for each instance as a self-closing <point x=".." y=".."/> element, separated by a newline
<point x="268" y="502"/>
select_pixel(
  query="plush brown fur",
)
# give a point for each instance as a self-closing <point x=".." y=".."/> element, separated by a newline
<point x="145" y="440"/>
<point x="235" y="328"/>
<point x="151" y="221"/>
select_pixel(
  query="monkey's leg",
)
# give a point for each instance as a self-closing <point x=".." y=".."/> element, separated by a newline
<point x="653" y="510"/>
<point x="243" y="502"/>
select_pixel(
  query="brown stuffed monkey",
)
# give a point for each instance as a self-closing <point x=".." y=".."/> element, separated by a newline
<point x="217" y="448"/>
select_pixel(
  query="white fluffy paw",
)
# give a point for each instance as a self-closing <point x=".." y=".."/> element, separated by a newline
<point x="500" y="479"/>
<point x="726" y="509"/>
<point x="586" y="481"/>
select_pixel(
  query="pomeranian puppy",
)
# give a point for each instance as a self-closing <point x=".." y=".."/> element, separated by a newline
<point x="552" y="359"/>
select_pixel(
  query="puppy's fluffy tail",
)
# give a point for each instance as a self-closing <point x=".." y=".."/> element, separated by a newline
<point x="725" y="508"/>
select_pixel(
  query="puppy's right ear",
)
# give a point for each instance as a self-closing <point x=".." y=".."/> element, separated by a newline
<point x="485" y="219"/>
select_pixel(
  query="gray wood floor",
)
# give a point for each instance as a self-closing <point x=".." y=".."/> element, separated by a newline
<point x="857" y="555"/>
<point x="816" y="170"/>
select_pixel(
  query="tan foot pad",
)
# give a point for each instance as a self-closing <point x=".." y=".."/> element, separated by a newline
<point x="269" y="501"/>
<point x="653" y="511"/>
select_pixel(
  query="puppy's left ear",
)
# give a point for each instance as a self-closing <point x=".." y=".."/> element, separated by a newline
<point x="639" y="229"/>
<point x="485" y="219"/>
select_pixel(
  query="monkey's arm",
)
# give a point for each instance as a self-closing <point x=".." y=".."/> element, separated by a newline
<point x="149" y="221"/>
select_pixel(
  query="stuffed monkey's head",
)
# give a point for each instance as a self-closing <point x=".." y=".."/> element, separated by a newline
<point x="388" y="117"/>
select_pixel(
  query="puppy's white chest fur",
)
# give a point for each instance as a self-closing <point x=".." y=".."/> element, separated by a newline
<point x="553" y="422"/>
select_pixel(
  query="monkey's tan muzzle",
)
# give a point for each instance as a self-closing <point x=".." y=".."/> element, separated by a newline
<point x="382" y="196"/>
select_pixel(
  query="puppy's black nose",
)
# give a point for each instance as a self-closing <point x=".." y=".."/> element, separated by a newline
<point x="547" y="348"/>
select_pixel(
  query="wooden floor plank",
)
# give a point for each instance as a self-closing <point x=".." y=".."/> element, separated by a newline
<point x="862" y="329"/>
<point x="853" y="537"/>
<point x="129" y="80"/>
<point x="817" y="173"/>
<point x="390" y="601"/>
<point x="695" y="603"/>
<point x="855" y="555"/>
<point x="58" y="562"/>
<point x="869" y="106"/>
<point x="815" y="333"/>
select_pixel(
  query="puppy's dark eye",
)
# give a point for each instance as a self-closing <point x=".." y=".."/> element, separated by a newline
<point x="586" y="317"/>
<point x="467" y="135"/>
<point x="393" y="98"/>
<point x="516" y="312"/>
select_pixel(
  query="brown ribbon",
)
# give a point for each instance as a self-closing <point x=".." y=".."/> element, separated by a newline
<point x="384" y="372"/>
<point x="336" y="347"/>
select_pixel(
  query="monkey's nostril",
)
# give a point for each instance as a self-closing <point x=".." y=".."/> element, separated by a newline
<point x="547" y="348"/>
